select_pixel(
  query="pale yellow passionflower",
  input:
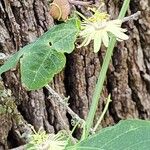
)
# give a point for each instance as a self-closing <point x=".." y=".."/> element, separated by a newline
<point x="98" y="28"/>
<point x="41" y="140"/>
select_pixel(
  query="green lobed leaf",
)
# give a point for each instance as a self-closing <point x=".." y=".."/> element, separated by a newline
<point x="126" y="135"/>
<point x="44" y="58"/>
<point x="39" y="66"/>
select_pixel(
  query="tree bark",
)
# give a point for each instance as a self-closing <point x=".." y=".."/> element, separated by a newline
<point x="128" y="78"/>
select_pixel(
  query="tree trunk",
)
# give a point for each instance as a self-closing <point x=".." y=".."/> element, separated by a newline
<point x="128" y="78"/>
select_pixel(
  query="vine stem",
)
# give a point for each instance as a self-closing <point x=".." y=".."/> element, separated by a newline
<point x="81" y="3"/>
<point x="102" y="75"/>
<point x="103" y="113"/>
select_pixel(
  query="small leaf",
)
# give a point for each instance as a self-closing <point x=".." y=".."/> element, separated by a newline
<point x="62" y="37"/>
<point x="126" y="135"/>
<point x="39" y="66"/>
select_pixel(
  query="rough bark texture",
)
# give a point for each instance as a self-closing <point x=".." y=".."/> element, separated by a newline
<point x="128" y="79"/>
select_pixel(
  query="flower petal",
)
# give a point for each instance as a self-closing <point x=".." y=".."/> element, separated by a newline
<point x="121" y="29"/>
<point x="87" y="30"/>
<point x="90" y="37"/>
<point x="105" y="38"/>
<point x="118" y="33"/>
<point x="97" y="42"/>
<point x="116" y="22"/>
<point x="120" y="40"/>
<point x="83" y="43"/>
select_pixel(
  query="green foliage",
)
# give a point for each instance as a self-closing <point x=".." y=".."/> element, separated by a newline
<point x="62" y="37"/>
<point x="126" y="135"/>
<point x="39" y="66"/>
<point x="45" y="57"/>
<point x="12" y="61"/>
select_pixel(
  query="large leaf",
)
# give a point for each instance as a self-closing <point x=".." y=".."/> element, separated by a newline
<point x="39" y="66"/>
<point x="60" y="37"/>
<point x="126" y="135"/>
<point x="44" y="58"/>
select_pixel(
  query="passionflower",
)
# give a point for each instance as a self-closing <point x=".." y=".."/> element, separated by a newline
<point x="41" y="140"/>
<point x="98" y="28"/>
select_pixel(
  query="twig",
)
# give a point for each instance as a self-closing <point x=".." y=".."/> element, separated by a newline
<point x="132" y="17"/>
<point x="103" y="113"/>
<point x="69" y="110"/>
<point x="81" y="3"/>
<point x="62" y="121"/>
<point x="63" y="103"/>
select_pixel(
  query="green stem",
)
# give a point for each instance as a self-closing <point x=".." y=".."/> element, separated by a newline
<point x="124" y="9"/>
<point x="103" y="113"/>
<point x="102" y="76"/>
<point x="99" y="87"/>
